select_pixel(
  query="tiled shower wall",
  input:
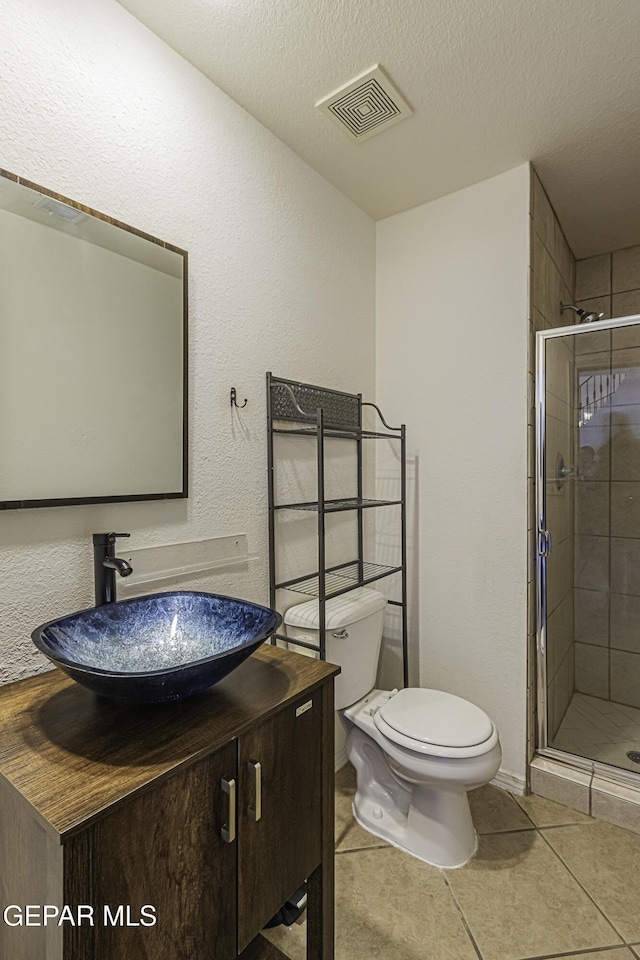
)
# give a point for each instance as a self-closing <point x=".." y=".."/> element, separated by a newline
<point x="610" y="283"/>
<point x="552" y="280"/>
<point x="607" y="598"/>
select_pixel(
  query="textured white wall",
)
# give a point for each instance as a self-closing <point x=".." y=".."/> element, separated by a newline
<point x="452" y="326"/>
<point x="281" y="277"/>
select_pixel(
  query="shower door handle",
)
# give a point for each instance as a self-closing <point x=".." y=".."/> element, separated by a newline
<point x="545" y="544"/>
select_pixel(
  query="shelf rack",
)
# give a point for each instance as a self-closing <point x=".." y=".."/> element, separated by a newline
<point x="319" y="412"/>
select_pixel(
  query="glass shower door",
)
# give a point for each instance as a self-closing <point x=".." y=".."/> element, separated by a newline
<point x="588" y="476"/>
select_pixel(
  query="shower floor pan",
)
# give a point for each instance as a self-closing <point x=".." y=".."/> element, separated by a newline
<point x="600" y="730"/>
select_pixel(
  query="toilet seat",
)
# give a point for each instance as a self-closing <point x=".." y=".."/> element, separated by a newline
<point x="435" y="723"/>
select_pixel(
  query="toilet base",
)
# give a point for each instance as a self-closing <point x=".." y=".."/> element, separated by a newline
<point x="431" y="821"/>
<point x="448" y="845"/>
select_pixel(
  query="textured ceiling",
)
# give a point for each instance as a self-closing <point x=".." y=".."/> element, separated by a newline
<point x="492" y="82"/>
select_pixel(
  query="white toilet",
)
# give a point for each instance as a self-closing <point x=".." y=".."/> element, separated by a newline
<point x="416" y="752"/>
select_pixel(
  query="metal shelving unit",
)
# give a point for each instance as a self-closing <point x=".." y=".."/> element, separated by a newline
<point x="313" y="411"/>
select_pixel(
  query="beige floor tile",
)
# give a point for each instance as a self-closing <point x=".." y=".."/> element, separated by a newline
<point x="547" y="813"/>
<point x="389" y="906"/>
<point x="349" y="834"/>
<point x="605" y="860"/>
<point x="520" y="901"/>
<point x="495" y="811"/>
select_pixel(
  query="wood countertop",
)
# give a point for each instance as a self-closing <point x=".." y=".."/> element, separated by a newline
<point x="73" y="755"/>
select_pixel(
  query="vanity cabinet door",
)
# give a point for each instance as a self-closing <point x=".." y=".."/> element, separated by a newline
<point x="279" y="811"/>
<point x="165" y="848"/>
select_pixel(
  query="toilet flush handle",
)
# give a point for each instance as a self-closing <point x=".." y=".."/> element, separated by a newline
<point x="341" y="634"/>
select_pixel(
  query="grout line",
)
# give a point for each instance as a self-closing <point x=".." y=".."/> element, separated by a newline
<point x="581" y="885"/>
<point x="502" y="833"/>
<point x="614" y="293"/>
<point x="376" y="846"/>
<point x="520" y="807"/>
<point x="579" y="953"/>
<point x="462" y="916"/>
<point x="573" y="823"/>
<point x="611" y="284"/>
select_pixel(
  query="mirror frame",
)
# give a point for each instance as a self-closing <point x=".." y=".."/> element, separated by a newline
<point x="122" y="498"/>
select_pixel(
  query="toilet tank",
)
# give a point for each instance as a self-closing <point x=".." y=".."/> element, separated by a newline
<point x="353" y="636"/>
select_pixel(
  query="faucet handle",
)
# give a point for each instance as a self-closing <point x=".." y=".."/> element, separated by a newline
<point x="103" y="538"/>
<point x="112" y="537"/>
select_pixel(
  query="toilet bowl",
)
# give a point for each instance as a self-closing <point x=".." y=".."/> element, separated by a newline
<point x="417" y="752"/>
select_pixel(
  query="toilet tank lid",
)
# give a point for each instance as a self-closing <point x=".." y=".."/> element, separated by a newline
<point x="339" y="612"/>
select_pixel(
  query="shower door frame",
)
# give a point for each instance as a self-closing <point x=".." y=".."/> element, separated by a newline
<point x="605" y="770"/>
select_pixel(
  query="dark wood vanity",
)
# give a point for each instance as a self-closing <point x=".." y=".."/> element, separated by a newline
<point x="109" y="804"/>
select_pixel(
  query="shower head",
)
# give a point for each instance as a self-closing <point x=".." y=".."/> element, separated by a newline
<point x="585" y="316"/>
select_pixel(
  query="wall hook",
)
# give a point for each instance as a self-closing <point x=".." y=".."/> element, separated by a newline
<point x="233" y="399"/>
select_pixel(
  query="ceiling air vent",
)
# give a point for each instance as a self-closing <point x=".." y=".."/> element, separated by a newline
<point x="366" y="105"/>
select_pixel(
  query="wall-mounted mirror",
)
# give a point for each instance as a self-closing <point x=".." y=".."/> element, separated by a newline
<point x="93" y="337"/>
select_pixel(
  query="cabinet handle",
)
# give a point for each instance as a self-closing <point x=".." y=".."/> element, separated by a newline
<point x="255" y="767"/>
<point x="229" y="829"/>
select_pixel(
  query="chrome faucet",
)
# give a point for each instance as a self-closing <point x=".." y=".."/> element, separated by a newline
<point x="105" y="564"/>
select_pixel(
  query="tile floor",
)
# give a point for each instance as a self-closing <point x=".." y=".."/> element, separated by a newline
<point x="546" y="882"/>
<point x="600" y="730"/>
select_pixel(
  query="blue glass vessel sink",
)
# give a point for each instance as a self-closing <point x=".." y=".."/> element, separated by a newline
<point x="164" y="646"/>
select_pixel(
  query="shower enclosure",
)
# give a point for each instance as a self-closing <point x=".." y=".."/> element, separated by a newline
<point x="588" y="552"/>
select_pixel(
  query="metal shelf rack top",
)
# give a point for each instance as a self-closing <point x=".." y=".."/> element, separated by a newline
<point x="299" y="402"/>
<point x="330" y="414"/>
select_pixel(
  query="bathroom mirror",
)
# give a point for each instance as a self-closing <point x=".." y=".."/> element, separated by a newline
<point x="93" y="358"/>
